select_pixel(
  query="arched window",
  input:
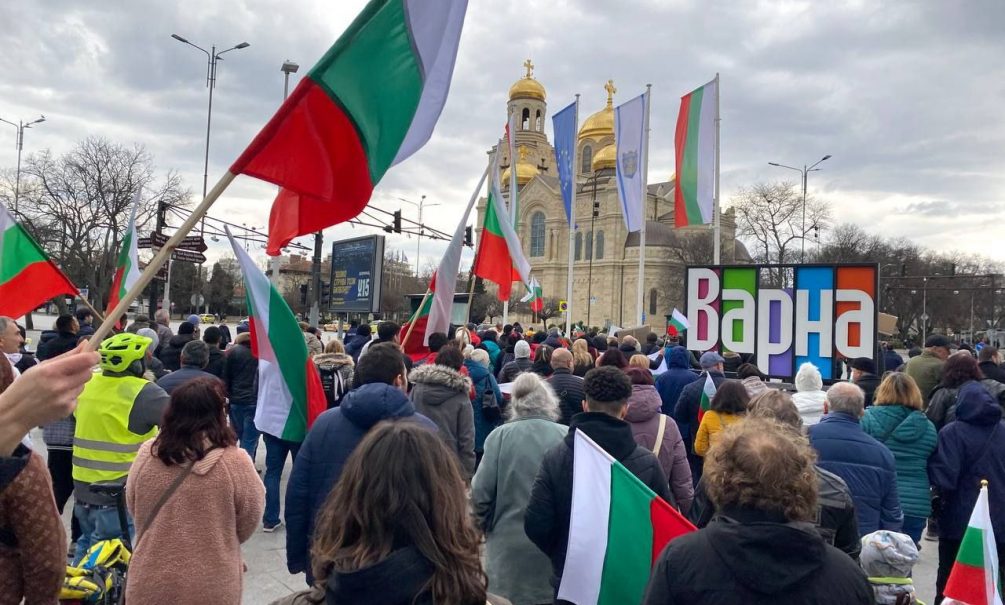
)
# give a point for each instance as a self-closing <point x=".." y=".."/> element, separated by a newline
<point x="589" y="245"/>
<point x="525" y="120"/>
<point x="652" y="302"/>
<point x="537" y="234"/>
<point x="587" y="159"/>
<point x="600" y="245"/>
<point x="539" y="122"/>
<point x="579" y="245"/>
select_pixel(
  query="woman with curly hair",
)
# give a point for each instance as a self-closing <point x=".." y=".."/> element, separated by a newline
<point x="959" y="369"/>
<point x="761" y="546"/>
<point x="396" y="528"/>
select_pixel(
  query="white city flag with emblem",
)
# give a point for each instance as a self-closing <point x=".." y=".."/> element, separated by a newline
<point x="629" y="137"/>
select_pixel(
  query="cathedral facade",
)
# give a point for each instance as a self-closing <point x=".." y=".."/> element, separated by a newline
<point x="606" y="256"/>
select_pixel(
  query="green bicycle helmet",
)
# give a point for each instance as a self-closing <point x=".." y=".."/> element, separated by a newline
<point x="120" y="351"/>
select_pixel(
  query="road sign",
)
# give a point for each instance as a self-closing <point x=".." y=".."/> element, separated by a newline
<point x="197" y="299"/>
<point x="83" y="293"/>
<point x="188" y="256"/>
<point x="195" y="243"/>
<point x="162" y="273"/>
<point x="563" y="306"/>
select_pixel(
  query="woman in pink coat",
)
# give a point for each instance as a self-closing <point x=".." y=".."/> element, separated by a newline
<point x="646" y="420"/>
<point x="190" y="552"/>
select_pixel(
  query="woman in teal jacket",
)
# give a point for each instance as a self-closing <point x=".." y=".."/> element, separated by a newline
<point x="895" y="419"/>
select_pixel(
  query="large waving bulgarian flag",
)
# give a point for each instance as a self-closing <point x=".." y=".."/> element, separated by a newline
<point x="617" y="529"/>
<point x="27" y="277"/>
<point x="290" y="395"/>
<point x="127" y="269"/>
<point x="974" y="579"/>
<point x="500" y="258"/>
<point x="694" y="144"/>
<point x="369" y="103"/>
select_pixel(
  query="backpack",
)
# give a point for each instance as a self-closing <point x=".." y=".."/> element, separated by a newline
<point x="333" y="383"/>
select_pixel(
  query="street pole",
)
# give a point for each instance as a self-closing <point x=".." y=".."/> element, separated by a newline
<point x="19" y="143"/>
<point x="287" y="68"/>
<point x="804" y="171"/>
<point x="211" y="58"/>
<point x="924" y="310"/>
<point x="418" y="238"/>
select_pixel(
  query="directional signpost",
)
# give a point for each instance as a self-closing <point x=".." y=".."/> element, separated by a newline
<point x="190" y="250"/>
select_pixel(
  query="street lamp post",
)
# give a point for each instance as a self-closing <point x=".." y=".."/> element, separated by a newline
<point x="418" y="243"/>
<point x="288" y="67"/>
<point x="805" y="170"/>
<point x="211" y="59"/>
<point x="19" y="142"/>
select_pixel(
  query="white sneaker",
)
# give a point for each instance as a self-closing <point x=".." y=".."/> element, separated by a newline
<point x="271" y="528"/>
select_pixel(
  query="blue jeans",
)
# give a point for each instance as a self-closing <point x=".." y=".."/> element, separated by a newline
<point x="913" y="526"/>
<point x="97" y="523"/>
<point x="276" y="450"/>
<point x="242" y="420"/>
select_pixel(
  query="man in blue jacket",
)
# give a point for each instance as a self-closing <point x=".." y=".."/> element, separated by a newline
<point x="866" y="465"/>
<point x="669" y="384"/>
<point x="379" y="394"/>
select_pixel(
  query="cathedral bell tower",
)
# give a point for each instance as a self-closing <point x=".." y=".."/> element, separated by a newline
<point x="527" y="104"/>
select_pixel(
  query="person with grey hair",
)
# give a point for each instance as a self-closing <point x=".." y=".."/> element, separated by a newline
<point x="865" y="464"/>
<point x="162" y="323"/>
<point x="154" y="366"/>
<point x="194" y="357"/>
<point x="500" y="490"/>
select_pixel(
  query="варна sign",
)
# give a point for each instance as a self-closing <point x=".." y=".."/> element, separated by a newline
<point x="357" y="265"/>
<point x="784" y="315"/>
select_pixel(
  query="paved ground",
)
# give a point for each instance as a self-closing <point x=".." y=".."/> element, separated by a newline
<point x="265" y="554"/>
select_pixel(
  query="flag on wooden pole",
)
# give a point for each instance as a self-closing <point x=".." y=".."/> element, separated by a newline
<point x="499" y="258"/>
<point x="28" y="277"/>
<point x="127" y="268"/>
<point x="369" y="103"/>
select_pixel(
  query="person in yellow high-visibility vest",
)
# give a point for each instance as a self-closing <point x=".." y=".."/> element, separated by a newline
<point x="116" y="412"/>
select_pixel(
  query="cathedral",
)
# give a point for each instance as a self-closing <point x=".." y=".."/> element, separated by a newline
<point x="605" y="273"/>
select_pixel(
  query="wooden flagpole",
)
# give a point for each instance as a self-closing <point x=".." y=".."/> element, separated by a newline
<point x="411" y="320"/>
<point x="165" y="252"/>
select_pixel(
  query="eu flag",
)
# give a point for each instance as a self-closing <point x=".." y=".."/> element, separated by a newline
<point x="565" y="148"/>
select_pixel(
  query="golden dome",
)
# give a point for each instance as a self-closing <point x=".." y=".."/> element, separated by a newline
<point x="601" y="124"/>
<point x="605" y="158"/>
<point x="525" y="171"/>
<point x="527" y="87"/>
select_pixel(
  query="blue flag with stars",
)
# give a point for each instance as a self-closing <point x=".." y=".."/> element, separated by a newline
<point x="564" y="123"/>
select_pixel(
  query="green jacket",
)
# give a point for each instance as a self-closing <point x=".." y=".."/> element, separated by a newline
<point x="926" y="370"/>
<point x="911" y="437"/>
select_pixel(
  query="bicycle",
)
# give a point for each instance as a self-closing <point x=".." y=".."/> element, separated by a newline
<point x="100" y="577"/>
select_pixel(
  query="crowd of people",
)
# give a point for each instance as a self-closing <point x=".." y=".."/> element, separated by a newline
<point x="448" y="478"/>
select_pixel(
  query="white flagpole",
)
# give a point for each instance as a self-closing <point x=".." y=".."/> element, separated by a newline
<point x="716" y="233"/>
<point x="640" y="290"/>
<point x="511" y="143"/>
<point x="572" y="230"/>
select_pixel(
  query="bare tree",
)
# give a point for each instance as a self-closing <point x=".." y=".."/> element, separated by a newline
<point x="77" y="205"/>
<point x="770" y="215"/>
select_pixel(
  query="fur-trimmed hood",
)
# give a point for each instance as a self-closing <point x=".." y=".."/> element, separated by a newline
<point x="434" y="375"/>
<point x="335" y="360"/>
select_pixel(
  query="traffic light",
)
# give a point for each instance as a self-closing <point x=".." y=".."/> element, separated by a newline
<point x="596" y="208"/>
<point x="303" y="294"/>
<point x="397" y="221"/>
<point x="469" y="238"/>
<point x="326" y="291"/>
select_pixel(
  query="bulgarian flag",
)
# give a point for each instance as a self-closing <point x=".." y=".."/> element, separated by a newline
<point x="534" y="296"/>
<point x="27" y="277"/>
<point x="974" y="579"/>
<point x="127" y="269"/>
<point x="617" y="529"/>
<point x="707" y="393"/>
<point x="290" y="395"/>
<point x="678" y="323"/>
<point x="694" y="144"/>
<point x="434" y="314"/>
<point x="369" y="103"/>
<point x="500" y="258"/>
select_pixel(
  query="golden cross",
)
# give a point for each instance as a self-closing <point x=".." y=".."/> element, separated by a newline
<point x="530" y="68"/>
<point x="523" y="152"/>
<point x="609" y="87"/>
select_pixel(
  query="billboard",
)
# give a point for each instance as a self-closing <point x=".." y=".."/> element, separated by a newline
<point x="784" y="315"/>
<point x="357" y="265"/>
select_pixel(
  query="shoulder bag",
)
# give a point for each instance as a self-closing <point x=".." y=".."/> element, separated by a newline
<point x="659" y="435"/>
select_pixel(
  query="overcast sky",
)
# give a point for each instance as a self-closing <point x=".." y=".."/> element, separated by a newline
<point x="906" y="96"/>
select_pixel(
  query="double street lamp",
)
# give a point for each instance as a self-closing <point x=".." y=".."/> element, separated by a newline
<point x="418" y="238"/>
<point x="20" y="126"/>
<point x="804" y="171"/>
<point x="211" y="59"/>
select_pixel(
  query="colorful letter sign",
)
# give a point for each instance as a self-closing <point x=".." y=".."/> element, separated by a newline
<point x="784" y="315"/>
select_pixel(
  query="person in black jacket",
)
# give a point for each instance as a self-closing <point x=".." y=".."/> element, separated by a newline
<point x="354" y="344"/>
<point x="546" y="521"/>
<point x="835" y="520"/>
<point x="990" y="364"/>
<point x="212" y="337"/>
<point x="686" y="410"/>
<point x="65" y="340"/>
<point x="567" y="386"/>
<point x="240" y="375"/>
<point x="170" y="353"/>
<point x="863" y="373"/>
<point x="761" y="546"/>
